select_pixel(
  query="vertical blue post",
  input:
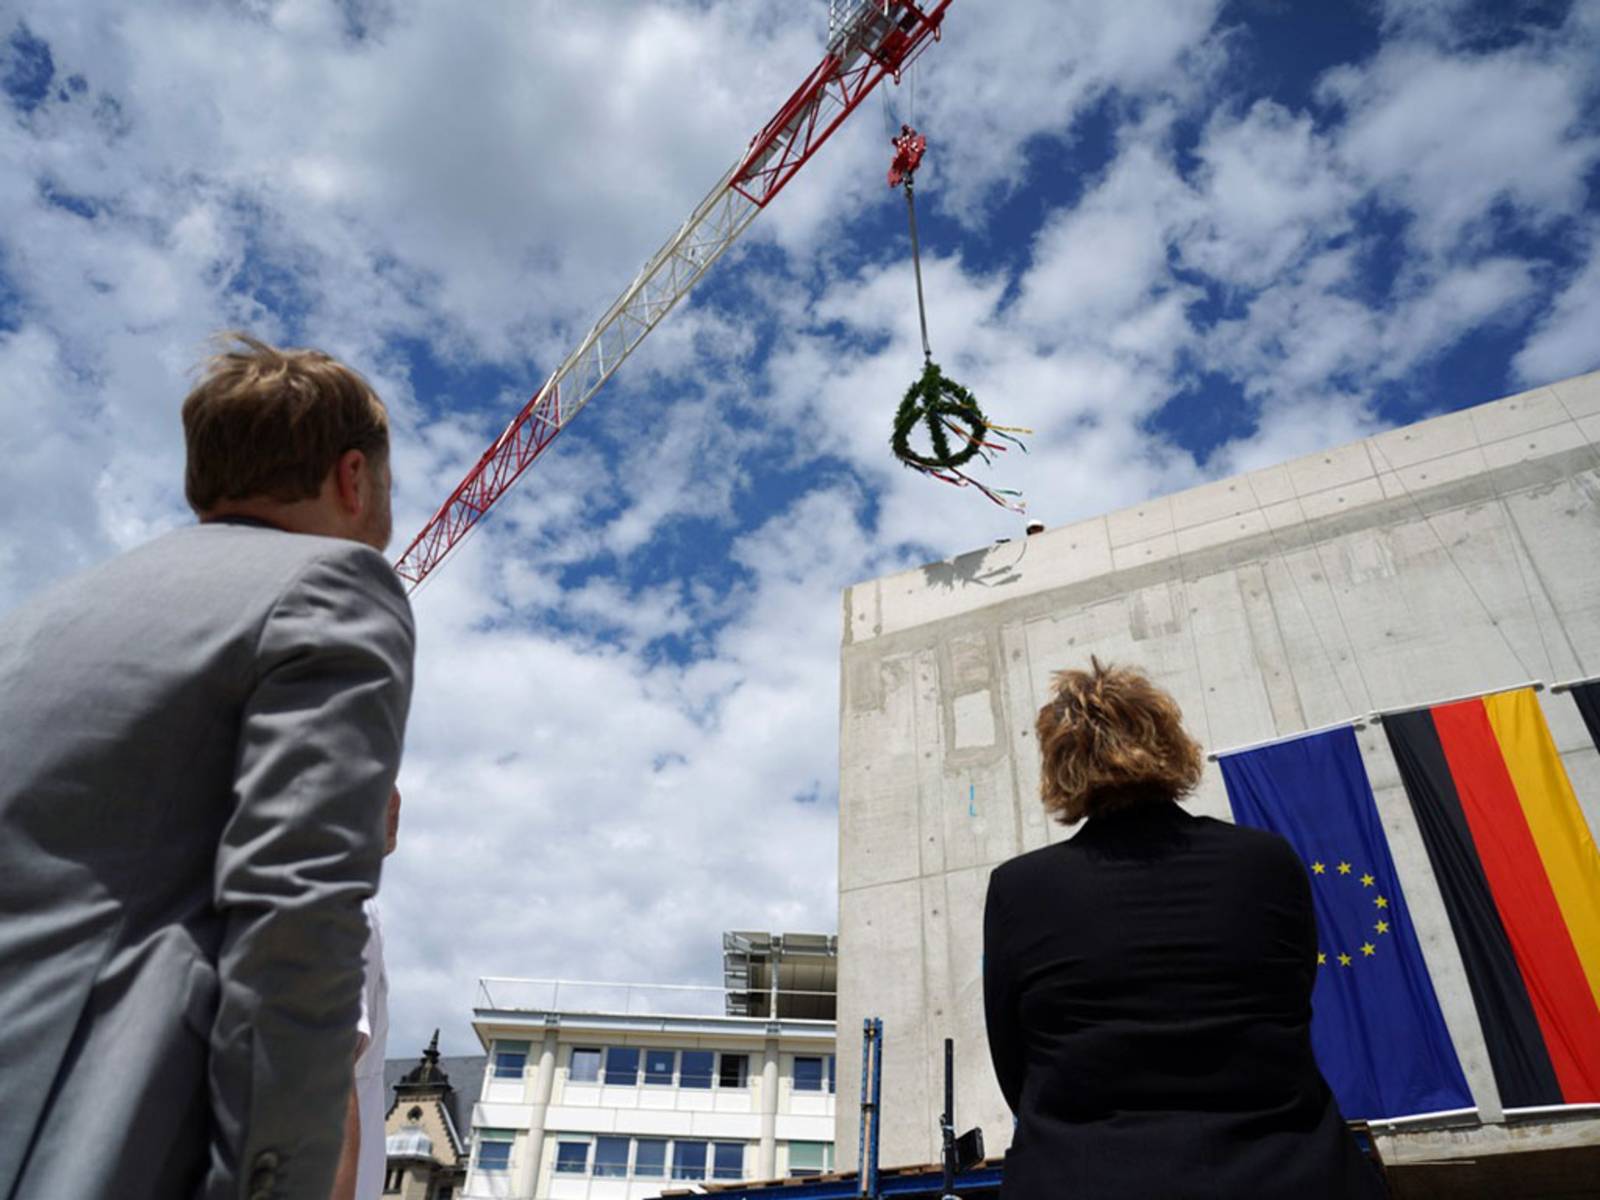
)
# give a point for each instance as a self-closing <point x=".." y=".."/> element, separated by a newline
<point x="877" y="1097"/>
<point x="871" y="1096"/>
<point x="866" y="1103"/>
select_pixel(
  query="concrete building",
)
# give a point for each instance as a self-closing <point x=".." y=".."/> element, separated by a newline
<point x="1451" y="557"/>
<point x="623" y="1091"/>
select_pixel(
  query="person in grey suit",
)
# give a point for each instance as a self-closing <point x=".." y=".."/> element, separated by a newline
<point x="200" y="738"/>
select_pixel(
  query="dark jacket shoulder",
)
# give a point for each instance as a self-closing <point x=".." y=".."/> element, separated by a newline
<point x="1265" y="848"/>
<point x="1260" y="848"/>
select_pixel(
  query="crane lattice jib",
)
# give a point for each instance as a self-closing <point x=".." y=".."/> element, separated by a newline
<point x="876" y="38"/>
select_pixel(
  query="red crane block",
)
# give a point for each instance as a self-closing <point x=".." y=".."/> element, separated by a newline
<point x="909" y="148"/>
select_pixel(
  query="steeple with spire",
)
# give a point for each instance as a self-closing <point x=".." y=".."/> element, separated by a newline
<point x="427" y="1075"/>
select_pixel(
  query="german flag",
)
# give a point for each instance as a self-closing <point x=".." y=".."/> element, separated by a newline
<point x="1520" y="877"/>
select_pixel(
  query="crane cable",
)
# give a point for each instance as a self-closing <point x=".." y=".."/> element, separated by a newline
<point x="916" y="265"/>
<point x="936" y="402"/>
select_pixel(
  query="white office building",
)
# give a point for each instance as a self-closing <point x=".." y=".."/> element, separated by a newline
<point x="624" y="1091"/>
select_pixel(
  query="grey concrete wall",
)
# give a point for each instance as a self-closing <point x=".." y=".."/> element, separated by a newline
<point x="1455" y="556"/>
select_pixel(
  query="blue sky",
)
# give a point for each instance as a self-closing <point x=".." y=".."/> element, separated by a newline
<point x="1176" y="239"/>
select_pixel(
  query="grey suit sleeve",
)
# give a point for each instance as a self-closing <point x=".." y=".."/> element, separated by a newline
<point x="319" y="748"/>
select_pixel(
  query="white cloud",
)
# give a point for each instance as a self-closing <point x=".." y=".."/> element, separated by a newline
<point x="1271" y="190"/>
<point x="484" y="178"/>
<point x="1450" y="137"/>
<point x="1000" y="83"/>
<point x="1488" y="292"/>
<point x="46" y="460"/>
<point x="1098" y="263"/>
<point x="1567" y="338"/>
<point x="1438" y="19"/>
<point x="1301" y="426"/>
<point x="588" y="794"/>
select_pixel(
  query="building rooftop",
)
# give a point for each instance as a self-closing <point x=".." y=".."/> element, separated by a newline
<point x="685" y="1009"/>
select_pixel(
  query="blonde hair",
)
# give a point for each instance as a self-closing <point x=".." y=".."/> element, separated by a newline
<point x="1109" y="737"/>
<point x="269" y="422"/>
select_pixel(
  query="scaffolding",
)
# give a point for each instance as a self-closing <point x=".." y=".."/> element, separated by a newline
<point x="787" y="975"/>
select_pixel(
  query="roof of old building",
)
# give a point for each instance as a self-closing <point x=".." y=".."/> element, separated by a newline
<point x="462" y="1075"/>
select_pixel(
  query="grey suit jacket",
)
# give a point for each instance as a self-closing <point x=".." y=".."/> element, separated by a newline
<point x="197" y="744"/>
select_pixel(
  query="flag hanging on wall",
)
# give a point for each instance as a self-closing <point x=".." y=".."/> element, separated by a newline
<point x="1587" y="698"/>
<point x="1520" y="877"/>
<point x="1376" y="1027"/>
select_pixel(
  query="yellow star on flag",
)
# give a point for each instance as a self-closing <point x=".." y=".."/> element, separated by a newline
<point x="1344" y="960"/>
<point x="1382" y="927"/>
<point x="1318" y="869"/>
<point x="1368" y="949"/>
<point x="1344" y="868"/>
<point x="1382" y="902"/>
<point x="1367" y="881"/>
<point x="1322" y="959"/>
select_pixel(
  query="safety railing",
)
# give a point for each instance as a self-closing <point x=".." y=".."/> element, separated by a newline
<point x="503" y="994"/>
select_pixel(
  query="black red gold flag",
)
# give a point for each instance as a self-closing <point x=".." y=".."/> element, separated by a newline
<point x="1520" y="876"/>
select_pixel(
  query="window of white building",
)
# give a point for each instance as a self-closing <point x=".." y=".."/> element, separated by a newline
<point x="688" y="1160"/>
<point x="494" y="1149"/>
<point x="809" y="1073"/>
<point x="584" y="1065"/>
<point x="696" y="1067"/>
<point x="691" y="1158"/>
<point x="628" y="1066"/>
<point x="650" y="1158"/>
<point x="810" y="1158"/>
<point x="733" y="1071"/>
<point x="622" y="1066"/>
<point x="611" y="1157"/>
<point x="509" y="1059"/>
<point x="572" y="1158"/>
<point x="727" y="1161"/>
<point x="660" y="1066"/>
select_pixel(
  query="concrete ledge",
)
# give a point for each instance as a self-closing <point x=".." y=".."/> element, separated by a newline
<point x="1159" y="560"/>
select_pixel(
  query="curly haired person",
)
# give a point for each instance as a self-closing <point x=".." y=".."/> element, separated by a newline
<point x="1147" y="984"/>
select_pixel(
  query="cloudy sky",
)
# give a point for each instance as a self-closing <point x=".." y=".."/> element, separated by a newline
<point x="1175" y="239"/>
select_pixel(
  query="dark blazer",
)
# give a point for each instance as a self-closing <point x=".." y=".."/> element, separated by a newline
<point x="1148" y="995"/>
<point x="199" y="741"/>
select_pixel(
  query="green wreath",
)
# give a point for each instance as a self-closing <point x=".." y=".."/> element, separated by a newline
<point x="938" y="402"/>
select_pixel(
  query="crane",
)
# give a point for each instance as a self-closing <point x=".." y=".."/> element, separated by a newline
<point x="867" y="40"/>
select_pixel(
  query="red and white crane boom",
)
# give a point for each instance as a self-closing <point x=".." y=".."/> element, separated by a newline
<point x="868" y="40"/>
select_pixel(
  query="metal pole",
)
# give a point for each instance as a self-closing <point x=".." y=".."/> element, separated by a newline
<point x="866" y="1104"/>
<point x="877" y="1098"/>
<point x="947" y="1121"/>
<point x="916" y="263"/>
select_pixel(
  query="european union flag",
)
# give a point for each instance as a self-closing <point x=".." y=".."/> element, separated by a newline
<point x="1376" y="1027"/>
